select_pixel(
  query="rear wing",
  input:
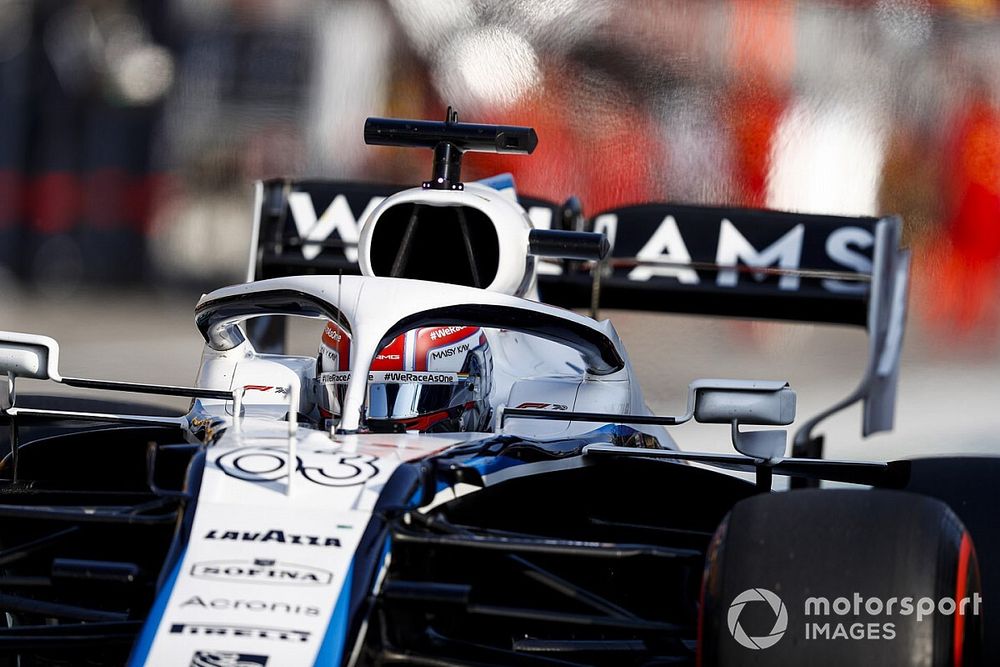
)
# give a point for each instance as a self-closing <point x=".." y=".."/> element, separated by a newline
<point x="760" y="264"/>
<point x="729" y="262"/>
<point x="674" y="258"/>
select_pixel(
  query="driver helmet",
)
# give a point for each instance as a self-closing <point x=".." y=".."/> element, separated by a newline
<point x="432" y="379"/>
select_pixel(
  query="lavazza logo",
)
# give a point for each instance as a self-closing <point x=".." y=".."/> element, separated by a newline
<point x="825" y="619"/>
<point x="275" y="536"/>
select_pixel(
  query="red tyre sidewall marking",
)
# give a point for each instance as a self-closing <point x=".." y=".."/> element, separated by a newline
<point x="961" y="590"/>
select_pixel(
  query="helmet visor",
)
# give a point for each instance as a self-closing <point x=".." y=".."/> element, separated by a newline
<point x="399" y="395"/>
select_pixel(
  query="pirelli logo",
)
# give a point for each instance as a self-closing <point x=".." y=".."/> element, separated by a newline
<point x="246" y="631"/>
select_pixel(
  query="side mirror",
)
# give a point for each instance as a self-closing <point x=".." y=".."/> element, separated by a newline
<point x="735" y="402"/>
<point x="29" y="355"/>
<point x="766" y="403"/>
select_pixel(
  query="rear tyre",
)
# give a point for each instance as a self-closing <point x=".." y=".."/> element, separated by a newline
<point x="857" y="550"/>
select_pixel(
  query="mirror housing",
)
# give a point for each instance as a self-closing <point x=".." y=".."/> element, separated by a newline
<point x="26" y="356"/>
<point x="760" y="402"/>
<point x="29" y="356"/>
<point x="735" y="402"/>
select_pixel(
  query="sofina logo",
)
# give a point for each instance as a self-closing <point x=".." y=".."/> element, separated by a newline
<point x="780" y="618"/>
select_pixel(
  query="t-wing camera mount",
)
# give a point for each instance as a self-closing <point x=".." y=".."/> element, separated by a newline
<point x="450" y="140"/>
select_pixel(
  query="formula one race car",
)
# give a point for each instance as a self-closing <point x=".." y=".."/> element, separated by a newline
<point x="468" y="474"/>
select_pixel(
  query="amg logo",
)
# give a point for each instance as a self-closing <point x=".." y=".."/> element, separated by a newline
<point x="227" y="659"/>
<point x="278" y="536"/>
<point x="450" y="351"/>
<point x="219" y="630"/>
<point x="263" y="571"/>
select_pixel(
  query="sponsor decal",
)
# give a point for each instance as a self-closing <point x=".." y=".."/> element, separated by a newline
<point x="312" y="224"/>
<point x="229" y="604"/>
<point x="261" y="387"/>
<point x="841" y="248"/>
<point x="269" y="464"/>
<point x="542" y="406"/>
<point x="335" y="348"/>
<point x="398" y="377"/>
<point x="450" y="351"/>
<point x="262" y="571"/>
<point x="441" y="348"/>
<point x="672" y="244"/>
<point x="342" y="377"/>
<point x="275" y="536"/>
<point x="227" y="659"/>
<point x="242" y="631"/>
<point x="333" y="332"/>
<point x="445" y="332"/>
<point x="421" y="377"/>
<point x="337" y="218"/>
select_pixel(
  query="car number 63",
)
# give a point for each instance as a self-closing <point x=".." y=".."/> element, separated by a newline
<point x="269" y="464"/>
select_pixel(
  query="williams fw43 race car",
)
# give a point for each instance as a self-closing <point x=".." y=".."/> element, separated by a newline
<point x="468" y="474"/>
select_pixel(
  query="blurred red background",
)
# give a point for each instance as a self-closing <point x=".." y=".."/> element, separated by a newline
<point x="132" y="128"/>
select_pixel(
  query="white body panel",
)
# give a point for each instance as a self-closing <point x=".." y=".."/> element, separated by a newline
<point x="265" y="567"/>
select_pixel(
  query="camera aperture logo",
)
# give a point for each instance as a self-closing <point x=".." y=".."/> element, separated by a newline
<point x="780" y="618"/>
